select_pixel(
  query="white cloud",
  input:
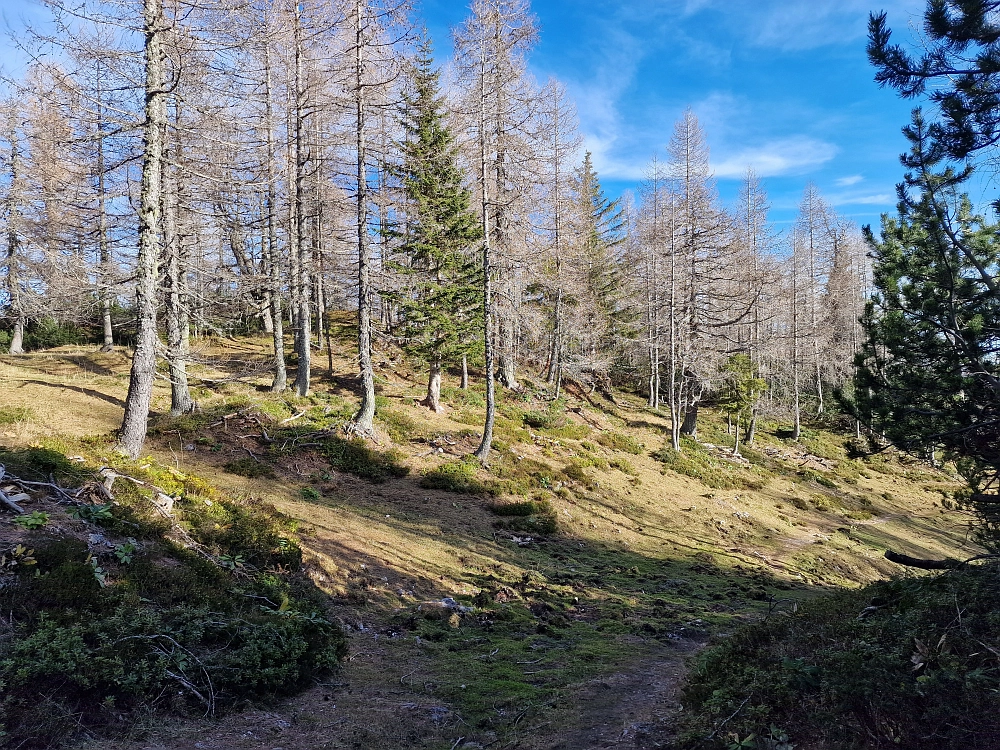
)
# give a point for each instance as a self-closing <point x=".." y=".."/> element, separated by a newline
<point x="853" y="179"/>
<point x="786" y="156"/>
<point x="878" y="199"/>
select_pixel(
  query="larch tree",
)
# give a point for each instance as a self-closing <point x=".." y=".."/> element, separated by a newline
<point x="490" y="48"/>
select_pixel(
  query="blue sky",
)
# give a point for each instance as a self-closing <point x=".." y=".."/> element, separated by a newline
<point x="780" y="84"/>
<point x="783" y="85"/>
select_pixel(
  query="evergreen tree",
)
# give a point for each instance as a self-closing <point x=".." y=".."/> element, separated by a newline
<point x="958" y="69"/>
<point x="741" y="390"/>
<point x="929" y="373"/>
<point x="602" y="224"/>
<point x="440" y="307"/>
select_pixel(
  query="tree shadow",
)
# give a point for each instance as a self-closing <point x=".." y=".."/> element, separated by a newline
<point x="79" y="389"/>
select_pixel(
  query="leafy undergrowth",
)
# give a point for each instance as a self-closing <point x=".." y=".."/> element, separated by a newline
<point x="109" y="616"/>
<point x="911" y="663"/>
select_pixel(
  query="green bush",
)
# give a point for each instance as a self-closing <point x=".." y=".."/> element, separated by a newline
<point x="401" y="427"/>
<point x="618" y="442"/>
<point x="909" y="664"/>
<point x="354" y="456"/>
<point x="454" y="476"/>
<point x="526" y="516"/>
<point x="694" y="461"/>
<point x="250" y="468"/>
<point x="104" y="637"/>
<point x="48" y="333"/>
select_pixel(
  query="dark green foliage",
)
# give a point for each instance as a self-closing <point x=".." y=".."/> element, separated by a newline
<point x="250" y="468"/>
<point x="928" y="376"/>
<point x="957" y="69"/>
<point x="437" y="232"/>
<point x="906" y="664"/>
<point x="355" y="457"/>
<point x="48" y="333"/>
<point x="95" y="638"/>
<point x="454" y="476"/>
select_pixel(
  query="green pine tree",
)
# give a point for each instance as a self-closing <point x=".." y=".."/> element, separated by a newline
<point x="929" y="374"/>
<point x="441" y="302"/>
<point x="740" y="392"/>
<point x="602" y="229"/>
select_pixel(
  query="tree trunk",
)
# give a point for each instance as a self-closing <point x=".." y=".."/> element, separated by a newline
<point x="104" y="273"/>
<point x="433" y="400"/>
<point x="465" y="372"/>
<point x="132" y="434"/>
<point x="752" y="429"/>
<point x="274" y="271"/>
<point x="180" y="395"/>
<point x="17" y="337"/>
<point x="303" y="318"/>
<point x="508" y="364"/>
<point x="364" y="421"/>
<point x="483" y="451"/>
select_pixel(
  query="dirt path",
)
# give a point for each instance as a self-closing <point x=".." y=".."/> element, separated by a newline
<point x="373" y="704"/>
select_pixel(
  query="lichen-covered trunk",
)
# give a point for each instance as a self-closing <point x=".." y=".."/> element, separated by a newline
<point x="132" y="433"/>
<point x="363" y="423"/>
<point x="176" y="318"/>
<point x="465" y="372"/>
<point x="433" y="400"/>
<point x="303" y="318"/>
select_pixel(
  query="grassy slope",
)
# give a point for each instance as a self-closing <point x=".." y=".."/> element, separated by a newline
<point x="646" y="562"/>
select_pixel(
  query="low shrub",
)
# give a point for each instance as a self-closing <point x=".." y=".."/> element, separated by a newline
<point x="890" y="665"/>
<point x="618" y="442"/>
<point x="454" y="476"/>
<point x="694" y="461"/>
<point x="401" y="427"/>
<point x="354" y="456"/>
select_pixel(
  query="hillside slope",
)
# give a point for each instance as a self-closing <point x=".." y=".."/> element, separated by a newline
<point x="549" y="601"/>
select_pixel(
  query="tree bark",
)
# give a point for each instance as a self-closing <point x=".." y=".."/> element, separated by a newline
<point x="132" y="434"/>
<point x="274" y="271"/>
<point x="303" y="319"/>
<point x="176" y="319"/>
<point x="102" y="229"/>
<point x="465" y="372"/>
<point x="364" y="421"/>
<point x="433" y="400"/>
<point x="483" y="451"/>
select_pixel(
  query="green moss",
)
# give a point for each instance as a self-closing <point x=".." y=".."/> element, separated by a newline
<point x="619" y="442"/>
<point x="454" y="476"/>
<point x="15" y="414"/>
<point x="355" y="456"/>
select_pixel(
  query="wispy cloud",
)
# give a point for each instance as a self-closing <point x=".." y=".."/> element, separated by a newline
<point x="786" y="156"/>
<point x="862" y="199"/>
<point x="853" y="179"/>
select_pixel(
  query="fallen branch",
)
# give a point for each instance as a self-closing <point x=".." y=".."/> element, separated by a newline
<point x="916" y="562"/>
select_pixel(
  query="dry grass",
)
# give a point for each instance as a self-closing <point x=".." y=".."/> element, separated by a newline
<point x="379" y="547"/>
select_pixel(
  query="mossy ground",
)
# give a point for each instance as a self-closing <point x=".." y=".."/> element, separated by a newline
<point x="625" y="562"/>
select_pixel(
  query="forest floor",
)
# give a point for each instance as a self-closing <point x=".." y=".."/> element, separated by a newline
<point x="470" y="627"/>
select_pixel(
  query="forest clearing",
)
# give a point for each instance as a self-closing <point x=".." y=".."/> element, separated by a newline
<point x="569" y="627"/>
<point x="359" y="390"/>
